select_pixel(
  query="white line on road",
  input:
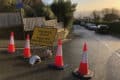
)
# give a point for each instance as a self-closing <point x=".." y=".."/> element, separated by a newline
<point x="105" y="43"/>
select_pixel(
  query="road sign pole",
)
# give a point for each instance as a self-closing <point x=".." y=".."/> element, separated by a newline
<point x="21" y="15"/>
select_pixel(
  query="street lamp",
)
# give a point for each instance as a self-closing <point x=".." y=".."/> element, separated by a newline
<point x="47" y="2"/>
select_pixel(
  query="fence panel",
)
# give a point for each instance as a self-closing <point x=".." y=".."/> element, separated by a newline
<point x="10" y="19"/>
<point x="30" y="23"/>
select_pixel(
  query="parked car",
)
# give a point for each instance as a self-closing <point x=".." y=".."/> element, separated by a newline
<point x="82" y="23"/>
<point x="76" y="29"/>
<point x="102" y="29"/>
<point x="87" y="25"/>
<point x="91" y="26"/>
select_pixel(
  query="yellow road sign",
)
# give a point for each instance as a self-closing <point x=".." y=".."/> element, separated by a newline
<point x="43" y="36"/>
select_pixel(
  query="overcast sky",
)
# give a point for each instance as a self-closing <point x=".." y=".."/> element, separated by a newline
<point x="86" y="5"/>
<point x="97" y="4"/>
<point x="90" y="5"/>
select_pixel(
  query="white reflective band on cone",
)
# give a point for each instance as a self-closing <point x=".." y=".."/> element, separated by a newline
<point x="59" y="51"/>
<point x="84" y="58"/>
<point x="12" y="40"/>
<point x="27" y="44"/>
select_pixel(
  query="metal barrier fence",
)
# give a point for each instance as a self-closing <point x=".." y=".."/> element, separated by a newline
<point x="30" y="23"/>
<point x="10" y="19"/>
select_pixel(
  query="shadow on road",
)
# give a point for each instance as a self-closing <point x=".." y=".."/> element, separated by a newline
<point x="26" y="73"/>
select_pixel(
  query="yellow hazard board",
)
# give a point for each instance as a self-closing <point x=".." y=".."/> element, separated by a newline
<point x="43" y="36"/>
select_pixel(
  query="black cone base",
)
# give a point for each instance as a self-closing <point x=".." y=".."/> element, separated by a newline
<point x="84" y="77"/>
<point x="52" y="66"/>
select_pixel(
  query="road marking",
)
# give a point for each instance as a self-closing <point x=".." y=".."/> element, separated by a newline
<point x="107" y="45"/>
<point x="104" y="43"/>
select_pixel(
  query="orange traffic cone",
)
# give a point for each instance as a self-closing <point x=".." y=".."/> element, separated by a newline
<point x="27" y="52"/>
<point x="58" y="64"/>
<point x="83" y="71"/>
<point x="11" y="46"/>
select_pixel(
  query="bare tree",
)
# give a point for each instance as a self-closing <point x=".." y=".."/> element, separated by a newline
<point x="96" y="15"/>
<point x="105" y="11"/>
<point x="110" y="14"/>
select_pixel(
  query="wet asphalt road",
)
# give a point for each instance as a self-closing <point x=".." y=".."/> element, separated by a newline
<point x="103" y="61"/>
